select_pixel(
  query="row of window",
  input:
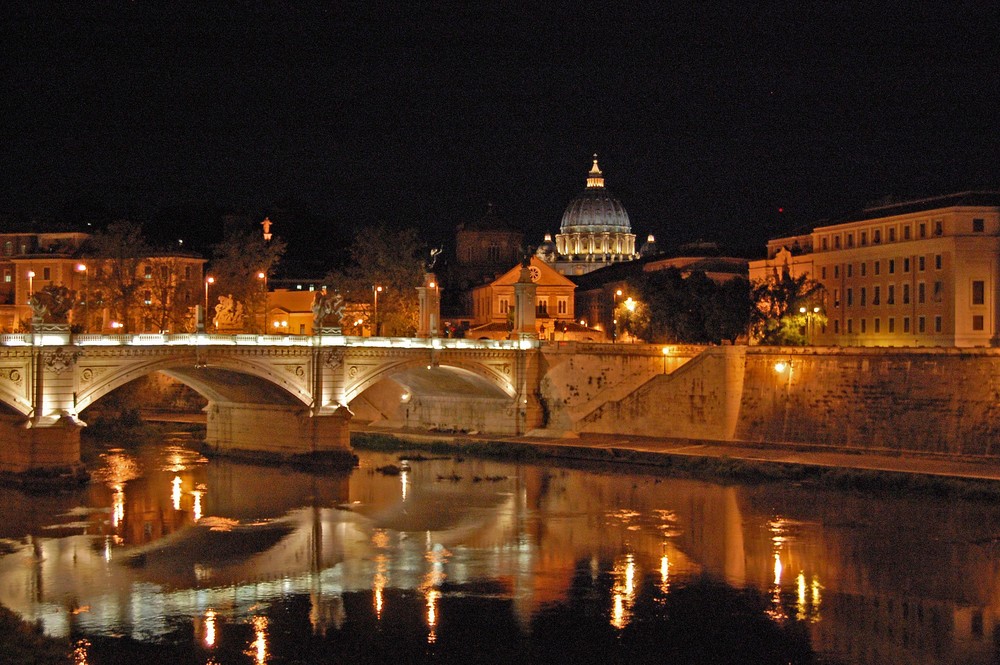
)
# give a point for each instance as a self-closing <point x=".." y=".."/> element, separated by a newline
<point x="841" y="240"/>
<point x="921" y="262"/>
<point x="978" y="294"/>
<point x="978" y="324"/>
<point x="541" y="306"/>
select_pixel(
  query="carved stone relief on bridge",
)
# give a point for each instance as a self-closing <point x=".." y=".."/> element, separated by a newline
<point x="59" y="361"/>
<point x="13" y="374"/>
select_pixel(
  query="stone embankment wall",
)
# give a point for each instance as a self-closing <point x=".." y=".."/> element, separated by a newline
<point x="928" y="400"/>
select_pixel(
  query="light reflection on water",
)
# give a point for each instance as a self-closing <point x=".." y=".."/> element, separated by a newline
<point x="163" y="537"/>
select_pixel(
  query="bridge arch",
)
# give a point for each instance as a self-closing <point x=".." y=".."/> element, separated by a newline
<point x="484" y="379"/>
<point x="226" y="378"/>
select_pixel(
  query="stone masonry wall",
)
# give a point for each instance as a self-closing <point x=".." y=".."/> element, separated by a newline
<point x="925" y="400"/>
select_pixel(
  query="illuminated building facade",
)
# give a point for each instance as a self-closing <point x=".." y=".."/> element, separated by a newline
<point x="595" y="231"/>
<point x="168" y="283"/>
<point x="918" y="273"/>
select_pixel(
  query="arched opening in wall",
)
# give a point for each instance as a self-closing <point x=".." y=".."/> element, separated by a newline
<point x="181" y="394"/>
<point x="437" y="398"/>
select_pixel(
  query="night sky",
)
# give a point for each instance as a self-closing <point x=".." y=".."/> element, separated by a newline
<point x="707" y="119"/>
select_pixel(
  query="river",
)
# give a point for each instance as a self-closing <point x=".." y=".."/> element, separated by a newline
<point x="167" y="556"/>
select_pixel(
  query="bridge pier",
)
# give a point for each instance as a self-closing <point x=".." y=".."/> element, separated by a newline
<point x="278" y="432"/>
<point x="49" y="452"/>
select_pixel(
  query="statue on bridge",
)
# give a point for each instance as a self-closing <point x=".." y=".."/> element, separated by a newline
<point x="229" y="314"/>
<point x="323" y="306"/>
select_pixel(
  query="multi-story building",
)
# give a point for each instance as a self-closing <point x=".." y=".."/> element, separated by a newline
<point x="918" y="273"/>
<point x="167" y="285"/>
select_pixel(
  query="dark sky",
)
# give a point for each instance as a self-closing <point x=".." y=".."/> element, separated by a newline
<point x="707" y="118"/>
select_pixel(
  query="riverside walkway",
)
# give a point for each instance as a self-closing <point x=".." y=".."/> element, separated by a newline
<point x="648" y="449"/>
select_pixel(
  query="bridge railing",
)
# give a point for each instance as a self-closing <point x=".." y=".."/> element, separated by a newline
<point x="205" y="339"/>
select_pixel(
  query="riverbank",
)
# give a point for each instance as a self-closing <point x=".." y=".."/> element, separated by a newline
<point x="845" y="469"/>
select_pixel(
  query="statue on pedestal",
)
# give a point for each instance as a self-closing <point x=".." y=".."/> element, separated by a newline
<point x="228" y="314"/>
<point x="323" y="306"/>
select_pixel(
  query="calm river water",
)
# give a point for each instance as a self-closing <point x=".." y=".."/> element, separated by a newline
<point x="169" y="557"/>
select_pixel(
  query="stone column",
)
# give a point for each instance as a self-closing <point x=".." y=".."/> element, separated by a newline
<point x="429" y="295"/>
<point x="524" y="306"/>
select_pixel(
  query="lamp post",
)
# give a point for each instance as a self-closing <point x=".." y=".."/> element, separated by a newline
<point x="614" y="319"/>
<point x="31" y="284"/>
<point x="82" y="268"/>
<point x="666" y="352"/>
<point x="208" y="282"/>
<point x="262" y="276"/>
<point x="376" y="290"/>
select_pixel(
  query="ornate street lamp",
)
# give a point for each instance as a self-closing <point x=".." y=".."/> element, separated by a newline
<point x="375" y="328"/>
<point x="262" y="276"/>
<point x="82" y="268"/>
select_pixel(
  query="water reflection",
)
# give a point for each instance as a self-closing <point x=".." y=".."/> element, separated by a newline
<point x="163" y="538"/>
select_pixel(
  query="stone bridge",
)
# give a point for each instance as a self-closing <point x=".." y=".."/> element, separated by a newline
<point x="283" y="395"/>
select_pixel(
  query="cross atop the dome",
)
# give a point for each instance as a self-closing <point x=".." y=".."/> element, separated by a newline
<point x="595" y="178"/>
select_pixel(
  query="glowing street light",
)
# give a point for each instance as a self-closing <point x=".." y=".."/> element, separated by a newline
<point x="614" y="320"/>
<point x="208" y="282"/>
<point x="31" y="284"/>
<point x="376" y="290"/>
<point x="262" y="276"/>
<point x="666" y="352"/>
<point x="82" y="268"/>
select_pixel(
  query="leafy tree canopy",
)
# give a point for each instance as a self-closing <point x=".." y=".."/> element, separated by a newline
<point x="786" y="308"/>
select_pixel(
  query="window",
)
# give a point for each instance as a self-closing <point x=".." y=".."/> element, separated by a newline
<point x="164" y="273"/>
<point x="836" y="272"/>
<point x="6" y="276"/>
<point x="938" y="227"/>
<point x="877" y="295"/>
<point x="864" y="268"/>
<point x="977" y="322"/>
<point x="892" y="266"/>
<point x="906" y="264"/>
<point x="892" y="234"/>
<point x="921" y="324"/>
<point x="906" y="232"/>
<point x="542" y="306"/>
<point x="822" y="272"/>
<point x="187" y="272"/>
<point x="562" y="305"/>
<point x="892" y="324"/>
<point x="890" y="297"/>
<point x="836" y="297"/>
<point x="978" y="292"/>
<point x="850" y="240"/>
<point x="921" y="293"/>
<point x="878" y="325"/>
<point x="850" y="326"/>
<point x="46" y="273"/>
<point x="824" y="244"/>
<point x="878" y="266"/>
<point x="504" y="305"/>
<point x="836" y="327"/>
<point x="906" y="294"/>
<point x="863" y="326"/>
<point x="8" y="248"/>
<point x="938" y="291"/>
<point x="978" y="226"/>
<point x="876" y="236"/>
<point x="850" y="297"/>
<point x="836" y="242"/>
<point x="147" y="297"/>
<point x="920" y="263"/>
<point x="923" y="230"/>
<point x="937" y="324"/>
<point x="850" y="270"/>
<point x="937" y="261"/>
<point x="864" y="296"/>
<point x="906" y="324"/>
<point x="864" y="238"/>
<point x="147" y="272"/>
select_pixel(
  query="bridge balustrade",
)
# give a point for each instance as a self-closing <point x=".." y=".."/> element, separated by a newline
<point x="205" y="339"/>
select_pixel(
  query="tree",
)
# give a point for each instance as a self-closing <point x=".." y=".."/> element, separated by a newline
<point x="390" y="258"/>
<point x="784" y="306"/>
<point x="731" y="311"/>
<point x="119" y="251"/>
<point x="171" y="291"/>
<point x="238" y="261"/>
